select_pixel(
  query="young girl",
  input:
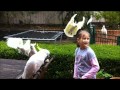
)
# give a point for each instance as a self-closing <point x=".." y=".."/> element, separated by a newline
<point x="86" y="64"/>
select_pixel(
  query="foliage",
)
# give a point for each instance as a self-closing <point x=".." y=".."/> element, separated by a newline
<point x="7" y="52"/>
<point x="103" y="75"/>
<point x="112" y="18"/>
<point x="62" y="65"/>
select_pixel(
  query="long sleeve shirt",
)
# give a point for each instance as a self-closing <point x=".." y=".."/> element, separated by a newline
<point x="86" y="64"/>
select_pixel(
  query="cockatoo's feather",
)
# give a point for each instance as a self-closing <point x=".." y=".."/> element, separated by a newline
<point x="25" y="48"/>
<point x="104" y="30"/>
<point x="34" y="63"/>
<point x="14" y="42"/>
<point x="80" y="24"/>
<point x="90" y="20"/>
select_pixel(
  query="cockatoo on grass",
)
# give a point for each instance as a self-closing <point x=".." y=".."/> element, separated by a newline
<point x="72" y="27"/>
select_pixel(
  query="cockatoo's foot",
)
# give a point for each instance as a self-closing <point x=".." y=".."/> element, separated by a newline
<point x="47" y="60"/>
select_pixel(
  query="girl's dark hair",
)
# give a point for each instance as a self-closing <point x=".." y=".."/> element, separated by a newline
<point x="78" y="35"/>
<point x="80" y="32"/>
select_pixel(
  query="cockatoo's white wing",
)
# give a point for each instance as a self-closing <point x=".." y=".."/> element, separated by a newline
<point x="80" y="23"/>
<point x="14" y="42"/>
<point x="71" y="27"/>
<point x="72" y="20"/>
<point x="25" y="49"/>
<point x="90" y="20"/>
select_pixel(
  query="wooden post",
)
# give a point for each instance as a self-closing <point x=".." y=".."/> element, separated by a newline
<point x="43" y="70"/>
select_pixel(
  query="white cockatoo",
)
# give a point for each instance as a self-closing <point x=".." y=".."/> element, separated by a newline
<point x="14" y="42"/>
<point x="72" y="27"/>
<point x="32" y="49"/>
<point x="104" y="30"/>
<point x="90" y="20"/>
<point x="34" y="63"/>
<point x="25" y="48"/>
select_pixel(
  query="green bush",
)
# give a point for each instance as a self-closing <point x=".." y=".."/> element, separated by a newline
<point x="7" y="52"/>
<point x="109" y="58"/>
<point x="62" y="65"/>
<point x="103" y="75"/>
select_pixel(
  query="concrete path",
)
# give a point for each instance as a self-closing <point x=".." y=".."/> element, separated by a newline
<point x="10" y="68"/>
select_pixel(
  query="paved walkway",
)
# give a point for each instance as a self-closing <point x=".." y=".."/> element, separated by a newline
<point x="10" y="68"/>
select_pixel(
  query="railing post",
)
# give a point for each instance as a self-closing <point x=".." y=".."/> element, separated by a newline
<point x="118" y="40"/>
<point x="91" y="29"/>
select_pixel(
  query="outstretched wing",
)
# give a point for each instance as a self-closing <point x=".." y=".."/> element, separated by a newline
<point x="71" y="27"/>
<point x="14" y="42"/>
<point x="90" y="20"/>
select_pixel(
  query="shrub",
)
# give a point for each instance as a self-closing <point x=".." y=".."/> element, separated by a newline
<point x="103" y="75"/>
<point x="62" y="65"/>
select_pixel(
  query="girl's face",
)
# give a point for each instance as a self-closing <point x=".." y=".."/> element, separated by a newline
<point x="83" y="40"/>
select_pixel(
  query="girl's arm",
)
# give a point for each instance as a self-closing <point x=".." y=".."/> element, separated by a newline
<point x="93" y="70"/>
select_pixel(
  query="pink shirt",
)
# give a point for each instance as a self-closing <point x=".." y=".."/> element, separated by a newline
<point x="86" y="64"/>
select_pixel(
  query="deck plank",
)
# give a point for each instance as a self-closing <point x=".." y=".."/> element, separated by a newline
<point x="11" y="68"/>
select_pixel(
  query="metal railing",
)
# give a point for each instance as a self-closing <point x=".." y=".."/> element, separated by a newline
<point x="107" y="39"/>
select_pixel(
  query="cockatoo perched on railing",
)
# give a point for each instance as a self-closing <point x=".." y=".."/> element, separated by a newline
<point x="72" y="27"/>
<point x="104" y="30"/>
<point x="34" y="63"/>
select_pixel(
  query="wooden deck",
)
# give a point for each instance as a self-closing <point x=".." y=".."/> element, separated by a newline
<point x="10" y="68"/>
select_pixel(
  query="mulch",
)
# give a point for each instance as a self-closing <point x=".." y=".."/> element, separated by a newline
<point x="11" y="68"/>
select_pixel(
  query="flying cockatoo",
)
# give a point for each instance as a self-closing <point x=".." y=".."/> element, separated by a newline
<point x="104" y="30"/>
<point x="25" y="48"/>
<point x="14" y="42"/>
<point x="90" y="20"/>
<point x="72" y="27"/>
<point x="34" y="63"/>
